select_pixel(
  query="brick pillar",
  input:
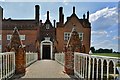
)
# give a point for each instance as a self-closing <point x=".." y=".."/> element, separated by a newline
<point x="73" y="45"/>
<point x="20" y="61"/>
<point x="38" y="48"/>
<point x="20" y="56"/>
<point x="69" y="62"/>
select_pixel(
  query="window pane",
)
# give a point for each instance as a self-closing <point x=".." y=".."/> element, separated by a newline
<point x="9" y="37"/>
<point x="22" y="37"/>
<point x="81" y="36"/>
<point x="66" y="35"/>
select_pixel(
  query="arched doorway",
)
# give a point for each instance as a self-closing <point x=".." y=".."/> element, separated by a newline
<point x="46" y="49"/>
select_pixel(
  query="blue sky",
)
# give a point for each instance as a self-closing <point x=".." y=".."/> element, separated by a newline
<point x="103" y="17"/>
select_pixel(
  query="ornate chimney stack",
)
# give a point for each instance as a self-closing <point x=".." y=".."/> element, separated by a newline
<point x="37" y="12"/>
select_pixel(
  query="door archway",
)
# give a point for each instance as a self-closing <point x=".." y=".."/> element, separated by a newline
<point x="46" y="49"/>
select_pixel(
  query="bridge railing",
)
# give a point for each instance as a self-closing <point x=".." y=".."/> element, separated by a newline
<point x="31" y="58"/>
<point x="94" y="66"/>
<point x="60" y="57"/>
<point x="7" y="65"/>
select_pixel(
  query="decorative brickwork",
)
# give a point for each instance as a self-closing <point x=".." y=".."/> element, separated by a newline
<point x="73" y="45"/>
<point x="16" y="45"/>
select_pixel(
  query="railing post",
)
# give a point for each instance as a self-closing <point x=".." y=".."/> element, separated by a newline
<point x="89" y="68"/>
<point x="86" y="68"/>
<point x="107" y="69"/>
<point x="1" y="66"/>
<point x="93" y="70"/>
<point x="83" y="66"/>
<point x="6" y="66"/>
<point x="97" y="70"/>
<point x="114" y="69"/>
<point x="14" y="63"/>
<point x="101" y="68"/>
<point x="79" y="60"/>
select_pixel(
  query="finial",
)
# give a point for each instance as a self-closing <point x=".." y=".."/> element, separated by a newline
<point x="15" y="28"/>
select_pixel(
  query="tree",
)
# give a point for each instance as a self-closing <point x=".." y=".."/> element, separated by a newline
<point x="92" y="49"/>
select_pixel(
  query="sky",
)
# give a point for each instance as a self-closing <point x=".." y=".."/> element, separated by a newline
<point x="103" y="17"/>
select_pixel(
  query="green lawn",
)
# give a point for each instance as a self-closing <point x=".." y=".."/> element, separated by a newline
<point x="108" y="54"/>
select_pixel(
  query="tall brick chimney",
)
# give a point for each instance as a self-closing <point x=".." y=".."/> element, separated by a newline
<point x="54" y="22"/>
<point x="61" y="15"/>
<point x="84" y="16"/>
<point x="37" y="12"/>
<point x="88" y="15"/>
<point x="73" y="9"/>
<point x="47" y="15"/>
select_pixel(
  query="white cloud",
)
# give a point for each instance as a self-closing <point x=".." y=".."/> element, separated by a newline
<point x="99" y="33"/>
<point x="106" y="13"/>
<point x="104" y="18"/>
<point x="2" y="0"/>
<point x="65" y="2"/>
<point x="116" y="38"/>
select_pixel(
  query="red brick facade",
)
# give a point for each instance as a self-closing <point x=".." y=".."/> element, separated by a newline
<point x="36" y="31"/>
<point x="81" y="25"/>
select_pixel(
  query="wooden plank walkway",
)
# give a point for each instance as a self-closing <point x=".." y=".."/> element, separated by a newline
<point x="45" y="69"/>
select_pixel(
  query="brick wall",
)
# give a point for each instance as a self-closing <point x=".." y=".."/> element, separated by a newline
<point x="73" y="22"/>
<point x="30" y="37"/>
